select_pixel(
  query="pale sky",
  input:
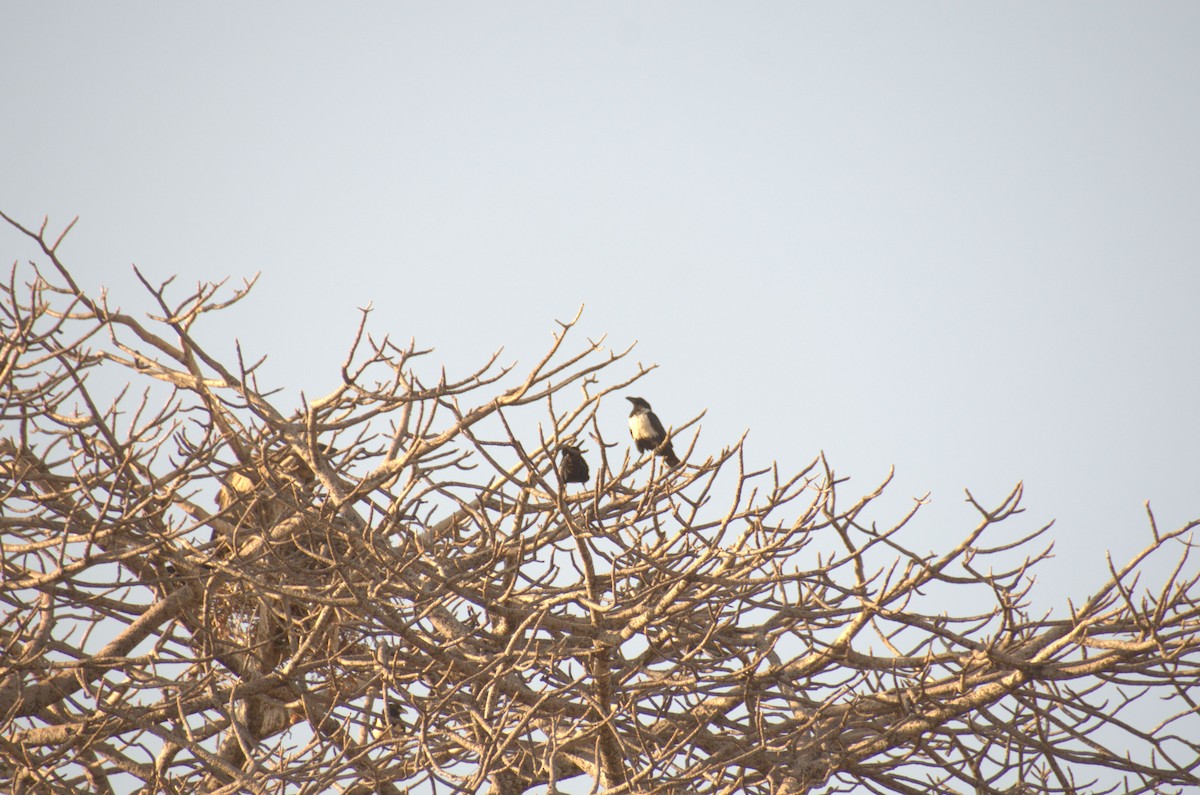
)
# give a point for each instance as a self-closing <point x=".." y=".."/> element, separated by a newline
<point x="961" y="239"/>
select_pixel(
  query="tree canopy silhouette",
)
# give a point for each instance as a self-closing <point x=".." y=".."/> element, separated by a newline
<point x="393" y="587"/>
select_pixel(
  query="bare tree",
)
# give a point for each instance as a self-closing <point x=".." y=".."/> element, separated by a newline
<point x="389" y="588"/>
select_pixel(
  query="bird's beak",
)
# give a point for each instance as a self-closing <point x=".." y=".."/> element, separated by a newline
<point x="630" y="399"/>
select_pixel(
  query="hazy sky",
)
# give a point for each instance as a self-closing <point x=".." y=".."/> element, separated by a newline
<point x="958" y="238"/>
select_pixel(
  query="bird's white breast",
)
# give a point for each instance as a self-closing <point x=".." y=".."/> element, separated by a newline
<point x="639" y="425"/>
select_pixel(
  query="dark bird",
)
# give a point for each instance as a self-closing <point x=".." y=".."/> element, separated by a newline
<point x="390" y="723"/>
<point x="648" y="432"/>
<point x="574" y="468"/>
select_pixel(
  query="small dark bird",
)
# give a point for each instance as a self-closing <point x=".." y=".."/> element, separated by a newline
<point x="390" y="723"/>
<point x="574" y="468"/>
<point x="648" y="432"/>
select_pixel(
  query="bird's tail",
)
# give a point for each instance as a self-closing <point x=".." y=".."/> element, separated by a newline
<point x="668" y="454"/>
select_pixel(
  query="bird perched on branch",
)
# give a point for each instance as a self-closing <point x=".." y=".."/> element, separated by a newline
<point x="574" y="468"/>
<point x="390" y="722"/>
<point x="648" y="432"/>
<point x="257" y="496"/>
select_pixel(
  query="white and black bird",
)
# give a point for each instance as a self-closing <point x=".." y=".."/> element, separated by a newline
<point x="648" y="432"/>
<point x="390" y="722"/>
<point x="573" y="468"/>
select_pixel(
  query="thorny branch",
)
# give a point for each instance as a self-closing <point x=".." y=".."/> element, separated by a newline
<point x="389" y="589"/>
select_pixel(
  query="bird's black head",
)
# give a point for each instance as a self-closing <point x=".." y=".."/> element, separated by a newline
<point x="569" y="448"/>
<point x="638" y="403"/>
